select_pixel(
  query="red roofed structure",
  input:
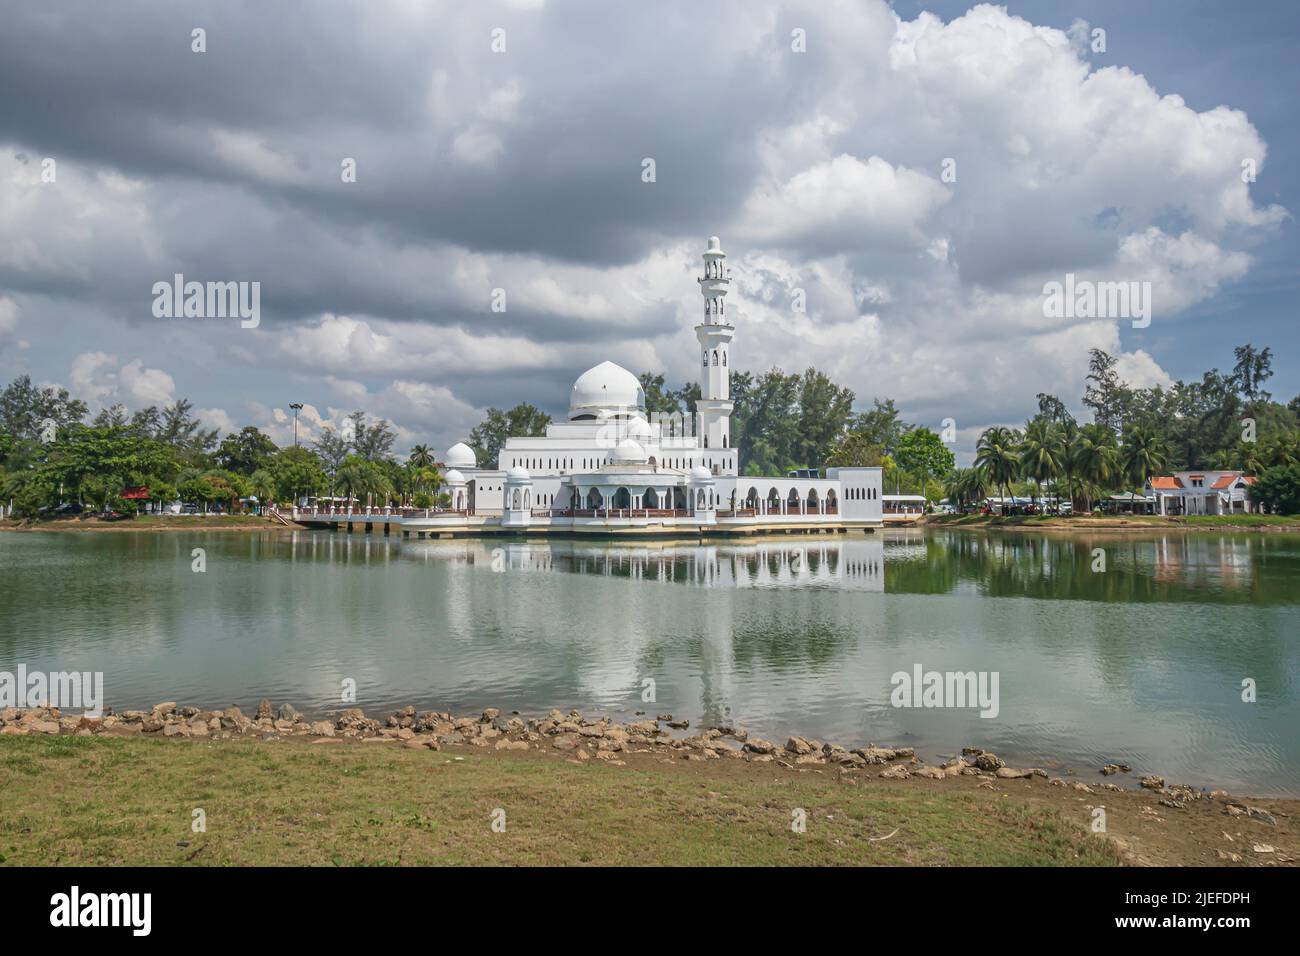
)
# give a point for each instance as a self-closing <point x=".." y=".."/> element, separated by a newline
<point x="1202" y="493"/>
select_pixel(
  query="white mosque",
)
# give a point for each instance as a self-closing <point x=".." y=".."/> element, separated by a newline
<point x="612" y="469"/>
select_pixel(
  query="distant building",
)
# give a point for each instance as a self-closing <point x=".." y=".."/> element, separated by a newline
<point x="1201" y="493"/>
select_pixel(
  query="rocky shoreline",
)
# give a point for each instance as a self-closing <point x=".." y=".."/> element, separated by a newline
<point x="576" y="736"/>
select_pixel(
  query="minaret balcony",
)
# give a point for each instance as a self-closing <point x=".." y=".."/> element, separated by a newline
<point x="714" y="287"/>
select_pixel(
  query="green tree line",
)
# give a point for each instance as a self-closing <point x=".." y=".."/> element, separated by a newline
<point x="50" y="455"/>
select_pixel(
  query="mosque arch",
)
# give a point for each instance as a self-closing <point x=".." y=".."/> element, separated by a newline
<point x="622" y="498"/>
<point x="649" y="498"/>
<point x="594" y="500"/>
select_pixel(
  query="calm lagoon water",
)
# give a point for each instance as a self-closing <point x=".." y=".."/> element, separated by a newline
<point x="1142" y="663"/>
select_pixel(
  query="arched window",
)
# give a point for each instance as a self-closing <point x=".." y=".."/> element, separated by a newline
<point x="724" y="359"/>
<point x="715" y="357"/>
<point x="706" y="359"/>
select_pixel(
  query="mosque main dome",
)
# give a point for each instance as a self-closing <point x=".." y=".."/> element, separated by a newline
<point x="460" y="455"/>
<point x="605" y="391"/>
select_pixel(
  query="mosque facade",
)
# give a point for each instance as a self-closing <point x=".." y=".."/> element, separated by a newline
<point x="610" y="465"/>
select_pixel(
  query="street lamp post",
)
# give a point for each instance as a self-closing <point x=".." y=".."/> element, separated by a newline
<point x="297" y="407"/>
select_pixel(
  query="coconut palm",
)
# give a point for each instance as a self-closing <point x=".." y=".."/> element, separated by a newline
<point x="1041" y="452"/>
<point x="379" y="487"/>
<point x="351" y="478"/>
<point x="1069" y="442"/>
<point x="1144" y="454"/>
<point x="998" y="453"/>
<point x="262" y="486"/>
<point x="1277" y="452"/>
<point x="420" y="457"/>
<point x="1096" y="461"/>
<point x="965" y="485"/>
<point x="428" y="479"/>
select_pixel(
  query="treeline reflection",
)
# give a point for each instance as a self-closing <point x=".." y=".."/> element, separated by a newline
<point x="1246" y="568"/>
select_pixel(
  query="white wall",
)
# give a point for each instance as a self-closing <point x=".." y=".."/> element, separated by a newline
<point x="860" y="492"/>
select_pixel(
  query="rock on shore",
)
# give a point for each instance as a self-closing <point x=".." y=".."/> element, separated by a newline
<point x="573" y="735"/>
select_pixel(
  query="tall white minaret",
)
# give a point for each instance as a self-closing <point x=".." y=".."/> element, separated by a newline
<point x="715" y="332"/>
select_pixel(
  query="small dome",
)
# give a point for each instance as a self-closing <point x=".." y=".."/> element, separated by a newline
<point x="638" y="429"/>
<point x="461" y="455"/>
<point x="518" y="475"/>
<point x="700" y="473"/>
<point x="715" y="244"/>
<point x="454" y="477"/>
<point x="605" y="388"/>
<point x="630" y="452"/>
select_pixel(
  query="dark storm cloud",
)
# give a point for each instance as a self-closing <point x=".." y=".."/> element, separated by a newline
<point x="602" y="87"/>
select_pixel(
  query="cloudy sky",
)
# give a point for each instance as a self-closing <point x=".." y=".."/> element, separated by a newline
<point x="479" y="169"/>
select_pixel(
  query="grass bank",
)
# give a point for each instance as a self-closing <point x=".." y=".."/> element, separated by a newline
<point x="1250" y="522"/>
<point x="149" y="523"/>
<point x="131" y="800"/>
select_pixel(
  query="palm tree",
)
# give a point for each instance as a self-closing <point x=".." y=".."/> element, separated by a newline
<point x="1096" y="460"/>
<point x="1281" y="450"/>
<point x="1041" y="452"/>
<point x="430" y="479"/>
<point x="1069" y="442"/>
<point x="965" y="485"/>
<point x="1144" y="454"/>
<point x="378" y="486"/>
<point x="998" y="453"/>
<point x="420" y="457"/>
<point x="262" y="486"/>
<point x="351" y="478"/>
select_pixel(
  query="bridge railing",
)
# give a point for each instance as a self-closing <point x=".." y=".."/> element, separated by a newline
<point x="378" y="513"/>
